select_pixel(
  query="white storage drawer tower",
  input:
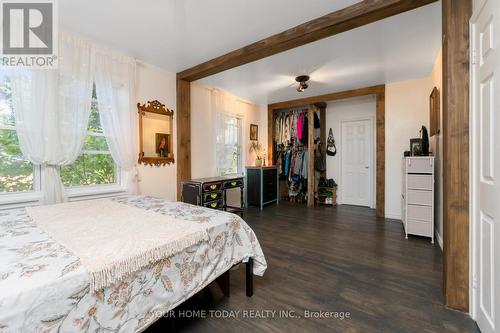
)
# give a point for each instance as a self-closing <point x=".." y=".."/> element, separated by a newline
<point x="418" y="196"/>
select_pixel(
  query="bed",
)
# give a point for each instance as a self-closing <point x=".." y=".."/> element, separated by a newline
<point x="45" y="288"/>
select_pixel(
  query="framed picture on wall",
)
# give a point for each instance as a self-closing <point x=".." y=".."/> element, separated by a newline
<point x="434" y="109"/>
<point x="162" y="142"/>
<point x="254" y="132"/>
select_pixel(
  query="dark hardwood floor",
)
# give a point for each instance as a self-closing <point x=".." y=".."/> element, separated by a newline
<point x="334" y="260"/>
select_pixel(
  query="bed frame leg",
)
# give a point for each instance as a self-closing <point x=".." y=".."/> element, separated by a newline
<point x="249" y="274"/>
<point x="224" y="283"/>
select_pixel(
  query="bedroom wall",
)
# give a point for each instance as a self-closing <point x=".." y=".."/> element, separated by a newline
<point x="154" y="83"/>
<point x="406" y="110"/>
<point x="203" y="162"/>
<point x="336" y="112"/>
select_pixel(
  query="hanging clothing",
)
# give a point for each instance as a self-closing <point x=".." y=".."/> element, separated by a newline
<point x="287" y="163"/>
<point x="300" y="124"/>
<point x="305" y="130"/>
<point x="304" y="165"/>
<point x="317" y="124"/>
<point x="293" y="158"/>
<point x="298" y="163"/>
<point x="282" y="132"/>
<point x="279" y="164"/>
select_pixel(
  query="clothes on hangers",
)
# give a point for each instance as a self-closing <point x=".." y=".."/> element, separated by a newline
<point x="303" y="172"/>
<point x="287" y="127"/>
<point x="300" y="124"/>
<point x="290" y="138"/>
<point x="287" y="163"/>
<point x="305" y="130"/>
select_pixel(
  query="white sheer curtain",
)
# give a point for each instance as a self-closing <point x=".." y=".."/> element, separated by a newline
<point x="52" y="109"/>
<point x="115" y="88"/>
<point x="226" y="130"/>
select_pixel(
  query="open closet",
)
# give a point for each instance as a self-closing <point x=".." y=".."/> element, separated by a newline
<point x="298" y="150"/>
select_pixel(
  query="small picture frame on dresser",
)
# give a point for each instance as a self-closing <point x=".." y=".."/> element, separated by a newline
<point x="416" y="147"/>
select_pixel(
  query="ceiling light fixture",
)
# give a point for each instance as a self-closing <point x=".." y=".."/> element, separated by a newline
<point x="302" y="80"/>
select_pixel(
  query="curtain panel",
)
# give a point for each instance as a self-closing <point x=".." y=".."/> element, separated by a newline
<point x="52" y="109"/>
<point x="223" y="104"/>
<point x="115" y="87"/>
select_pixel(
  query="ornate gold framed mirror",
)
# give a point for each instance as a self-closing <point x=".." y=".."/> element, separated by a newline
<point x="156" y="131"/>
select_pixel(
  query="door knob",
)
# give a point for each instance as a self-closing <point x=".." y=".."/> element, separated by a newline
<point x="367" y="166"/>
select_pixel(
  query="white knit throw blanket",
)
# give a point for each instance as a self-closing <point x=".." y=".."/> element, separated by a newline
<point x="112" y="239"/>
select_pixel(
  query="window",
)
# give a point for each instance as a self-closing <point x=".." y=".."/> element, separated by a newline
<point x="16" y="173"/>
<point x="228" y="145"/>
<point x="95" y="165"/>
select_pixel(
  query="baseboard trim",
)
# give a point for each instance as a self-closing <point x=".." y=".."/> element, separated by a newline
<point x="393" y="216"/>
<point x="439" y="239"/>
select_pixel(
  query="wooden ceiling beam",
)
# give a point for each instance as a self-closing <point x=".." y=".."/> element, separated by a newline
<point x="357" y="15"/>
<point x="374" y="90"/>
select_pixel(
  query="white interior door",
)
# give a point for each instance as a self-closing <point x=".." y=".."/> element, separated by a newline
<point x="356" y="164"/>
<point x="486" y="166"/>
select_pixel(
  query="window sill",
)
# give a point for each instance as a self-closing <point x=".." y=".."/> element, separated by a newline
<point x="94" y="192"/>
<point x="17" y="200"/>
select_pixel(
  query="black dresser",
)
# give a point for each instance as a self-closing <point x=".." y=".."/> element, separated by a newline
<point x="211" y="192"/>
<point x="262" y="186"/>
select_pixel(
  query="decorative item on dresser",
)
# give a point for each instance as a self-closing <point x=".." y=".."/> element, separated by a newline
<point x="256" y="147"/>
<point x="418" y="196"/>
<point x="262" y="186"/>
<point x="211" y="192"/>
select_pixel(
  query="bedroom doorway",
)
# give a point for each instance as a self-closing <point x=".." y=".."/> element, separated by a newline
<point x="357" y="177"/>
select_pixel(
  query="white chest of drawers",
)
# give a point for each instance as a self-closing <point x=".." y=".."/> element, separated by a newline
<point x="418" y="196"/>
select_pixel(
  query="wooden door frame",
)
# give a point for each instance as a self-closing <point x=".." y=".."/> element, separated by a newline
<point x="379" y="93"/>
<point x="456" y="15"/>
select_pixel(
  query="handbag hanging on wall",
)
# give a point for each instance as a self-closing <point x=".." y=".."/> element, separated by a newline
<point x="331" y="149"/>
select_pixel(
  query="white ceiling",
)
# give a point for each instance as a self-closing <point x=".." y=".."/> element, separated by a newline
<point x="399" y="48"/>
<point x="178" y="34"/>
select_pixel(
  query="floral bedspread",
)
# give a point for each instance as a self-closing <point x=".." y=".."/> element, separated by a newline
<point x="44" y="288"/>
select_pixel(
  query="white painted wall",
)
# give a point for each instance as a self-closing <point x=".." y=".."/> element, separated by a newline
<point x="436" y="144"/>
<point x="203" y="163"/>
<point x="406" y="110"/>
<point x="154" y="83"/>
<point x="336" y="112"/>
<point x="476" y="4"/>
